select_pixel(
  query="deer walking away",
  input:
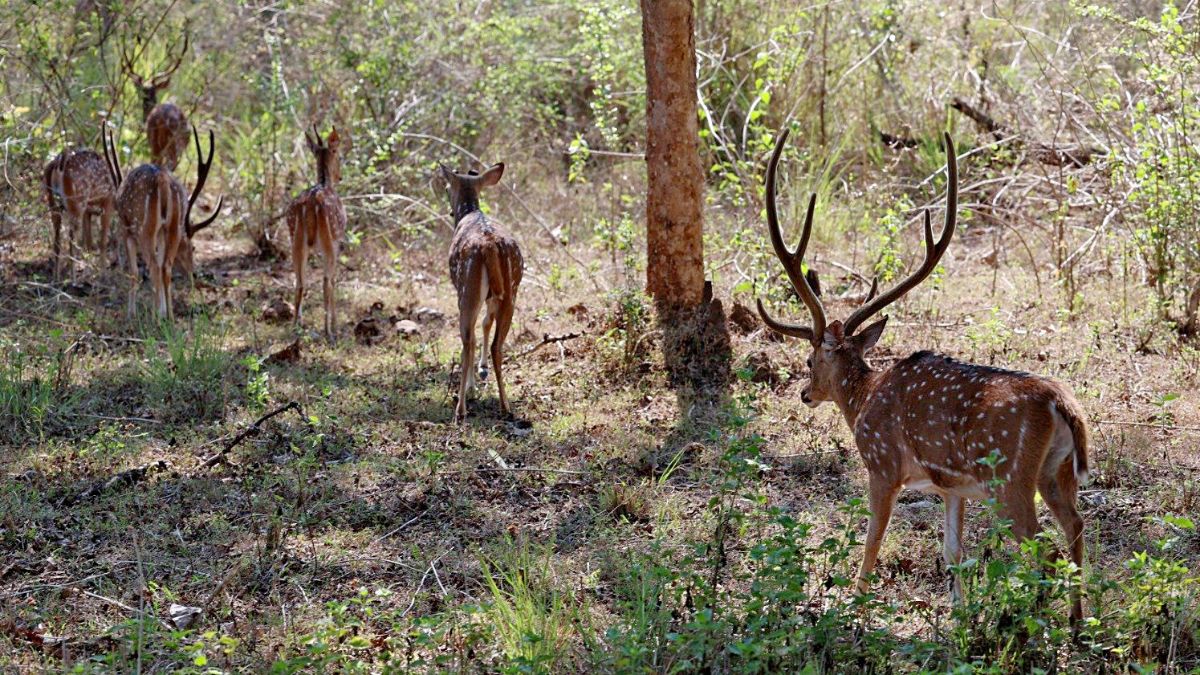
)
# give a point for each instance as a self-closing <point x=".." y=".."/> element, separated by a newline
<point x="78" y="188"/>
<point x="485" y="268"/>
<point x="316" y="219"/>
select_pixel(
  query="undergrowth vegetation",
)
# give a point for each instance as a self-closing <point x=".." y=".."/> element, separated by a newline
<point x="229" y="494"/>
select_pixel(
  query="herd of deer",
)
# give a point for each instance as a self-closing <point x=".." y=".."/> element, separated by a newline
<point x="928" y="422"/>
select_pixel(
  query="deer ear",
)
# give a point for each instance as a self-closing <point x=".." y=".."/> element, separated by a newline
<point x="870" y="335"/>
<point x="492" y="175"/>
<point x="332" y="140"/>
<point x="313" y="146"/>
<point x="446" y="174"/>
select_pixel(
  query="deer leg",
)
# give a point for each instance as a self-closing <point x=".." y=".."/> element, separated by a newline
<point x="329" y="257"/>
<point x="503" y="322"/>
<point x="85" y="222"/>
<point x="466" y="329"/>
<point x="882" y="498"/>
<point x="489" y="318"/>
<point x="1059" y="494"/>
<point x="72" y="225"/>
<point x="131" y="257"/>
<point x="105" y="224"/>
<point x="299" y="261"/>
<point x="57" y="224"/>
<point x="952" y="541"/>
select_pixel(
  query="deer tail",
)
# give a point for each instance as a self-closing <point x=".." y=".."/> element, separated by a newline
<point x="497" y="284"/>
<point x="1071" y="411"/>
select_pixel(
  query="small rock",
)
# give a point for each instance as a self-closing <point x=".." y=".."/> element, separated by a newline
<point x="407" y="328"/>
<point x="427" y="315"/>
<point x="278" y="311"/>
<point x="182" y="615"/>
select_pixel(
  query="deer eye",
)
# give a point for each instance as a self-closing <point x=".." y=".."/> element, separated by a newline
<point x="809" y="363"/>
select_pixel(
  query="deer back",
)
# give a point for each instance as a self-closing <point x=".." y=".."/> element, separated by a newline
<point x="481" y="242"/>
<point x="78" y="180"/>
<point x="929" y="420"/>
<point x="167" y="134"/>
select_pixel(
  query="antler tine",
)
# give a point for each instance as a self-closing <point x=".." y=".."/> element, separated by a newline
<point x="203" y="166"/>
<point x="178" y="61"/>
<point x="792" y="261"/>
<point x="193" y="229"/>
<point x="127" y="64"/>
<point x="933" y="249"/>
<point x="110" y="156"/>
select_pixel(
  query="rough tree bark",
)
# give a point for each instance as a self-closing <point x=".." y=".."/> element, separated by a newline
<point x="674" y="205"/>
<point x="695" y="339"/>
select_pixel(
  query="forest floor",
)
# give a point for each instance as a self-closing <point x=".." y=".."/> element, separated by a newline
<point x="111" y="510"/>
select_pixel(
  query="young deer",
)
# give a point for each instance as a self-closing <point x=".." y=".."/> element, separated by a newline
<point x="485" y="268"/>
<point x="77" y="188"/>
<point x="926" y="422"/>
<point x="317" y="217"/>
<point x="166" y="125"/>
<point x="156" y="218"/>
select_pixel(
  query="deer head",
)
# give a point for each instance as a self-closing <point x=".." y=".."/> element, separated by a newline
<point x="327" y="154"/>
<point x="463" y="188"/>
<point x="149" y="87"/>
<point x="838" y="348"/>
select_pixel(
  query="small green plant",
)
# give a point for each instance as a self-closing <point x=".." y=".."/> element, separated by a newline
<point x="186" y="373"/>
<point x="258" y="389"/>
<point x="532" y="619"/>
<point x="624" y="343"/>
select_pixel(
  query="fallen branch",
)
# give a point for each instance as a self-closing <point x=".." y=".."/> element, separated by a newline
<point x="547" y="339"/>
<point x="1043" y="152"/>
<point x="252" y="430"/>
<point x="128" y="477"/>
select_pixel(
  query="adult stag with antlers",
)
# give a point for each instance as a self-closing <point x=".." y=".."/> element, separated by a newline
<point x="927" y="422"/>
<point x="77" y="188"/>
<point x="485" y="268"/>
<point x="166" y="125"/>
<point x="317" y="218"/>
<point x="156" y="219"/>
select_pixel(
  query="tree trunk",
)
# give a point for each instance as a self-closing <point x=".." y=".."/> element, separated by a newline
<point x="696" y="347"/>
<point x="674" y="204"/>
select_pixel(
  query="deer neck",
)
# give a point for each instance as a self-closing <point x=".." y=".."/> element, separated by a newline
<point x="466" y="204"/>
<point x="149" y="100"/>
<point x="852" y="392"/>
<point x="323" y="175"/>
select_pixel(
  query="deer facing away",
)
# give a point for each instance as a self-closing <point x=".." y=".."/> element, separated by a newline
<point x="485" y="268"/>
<point x="166" y="125"/>
<point x="317" y="218"/>
<point x="77" y="189"/>
<point x="925" y="423"/>
<point x="156" y="221"/>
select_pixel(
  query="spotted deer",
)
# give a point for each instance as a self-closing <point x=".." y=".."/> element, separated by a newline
<point x="926" y="422"/>
<point x="485" y="268"/>
<point x="166" y="125"/>
<point x="317" y="218"/>
<point x="77" y="188"/>
<point x="156" y="220"/>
